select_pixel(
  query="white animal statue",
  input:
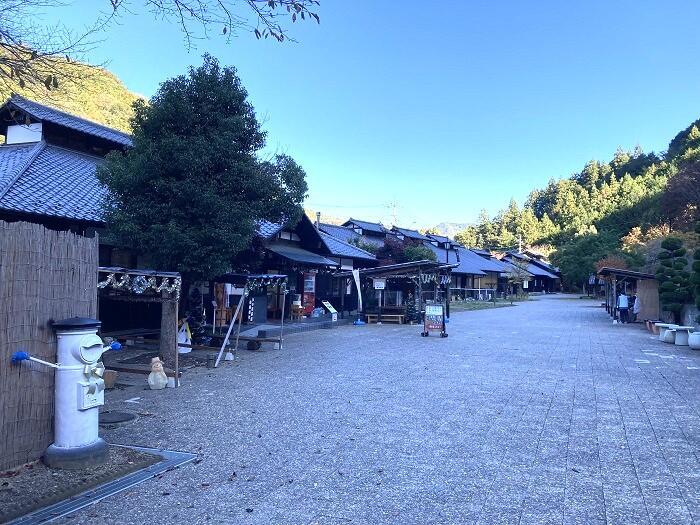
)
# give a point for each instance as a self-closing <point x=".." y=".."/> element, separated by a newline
<point x="157" y="379"/>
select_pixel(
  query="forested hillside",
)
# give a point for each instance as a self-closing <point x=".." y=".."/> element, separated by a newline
<point x="92" y="93"/>
<point x="613" y="208"/>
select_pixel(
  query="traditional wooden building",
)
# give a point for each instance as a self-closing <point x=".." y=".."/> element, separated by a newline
<point x="309" y="257"/>
<point x="544" y="280"/>
<point x="49" y="211"/>
<point x="407" y="235"/>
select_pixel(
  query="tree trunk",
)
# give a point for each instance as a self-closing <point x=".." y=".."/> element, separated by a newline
<point x="168" y="336"/>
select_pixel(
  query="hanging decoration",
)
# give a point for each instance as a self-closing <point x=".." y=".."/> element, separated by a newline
<point x="140" y="282"/>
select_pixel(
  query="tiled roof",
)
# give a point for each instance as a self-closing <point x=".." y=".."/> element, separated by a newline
<point x="48" y="114"/>
<point x="466" y="265"/>
<point x="438" y="238"/>
<point x="546" y="266"/>
<point x="296" y="253"/>
<point x="339" y="232"/>
<point x="13" y="160"/>
<point x="487" y="265"/>
<point x="540" y="272"/>
<point x="369" y="226"/>
<point x="443" y="256"/>
<point x="267" y="229"/>
<point x="343" y="249"/>
<point x="508" y="266"/>
<point x="411" y="234"/>
<point x="56" y="182"/>
<point x="347" y="234"/>
<point x="534" y="269"/>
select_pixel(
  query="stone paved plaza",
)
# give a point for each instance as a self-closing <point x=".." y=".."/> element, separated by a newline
<point x="540" y="413"/>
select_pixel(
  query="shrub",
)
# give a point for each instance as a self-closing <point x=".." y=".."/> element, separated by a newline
<point x="674" y="279"/>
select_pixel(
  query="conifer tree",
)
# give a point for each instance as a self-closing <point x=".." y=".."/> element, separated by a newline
<point x="673" y="277"/>
<point x="695" y="278"/>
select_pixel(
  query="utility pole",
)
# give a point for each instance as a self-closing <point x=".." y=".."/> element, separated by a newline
<point x="392" y="209"/>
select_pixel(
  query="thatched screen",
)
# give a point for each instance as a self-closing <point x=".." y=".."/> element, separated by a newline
<point x="44" y="275"/>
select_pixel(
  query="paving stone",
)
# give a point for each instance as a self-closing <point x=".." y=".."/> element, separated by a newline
<point x="540" y="413"/>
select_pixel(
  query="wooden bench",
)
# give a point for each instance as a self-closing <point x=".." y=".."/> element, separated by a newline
<point x="395" y="318"/>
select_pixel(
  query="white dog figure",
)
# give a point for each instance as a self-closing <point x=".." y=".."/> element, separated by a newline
<point x="157" y="379"/>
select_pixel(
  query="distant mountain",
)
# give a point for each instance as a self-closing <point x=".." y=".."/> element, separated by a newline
<point x="93" y="93"/>
<point x="450" y="228"/>
<point x="327" y="219"/>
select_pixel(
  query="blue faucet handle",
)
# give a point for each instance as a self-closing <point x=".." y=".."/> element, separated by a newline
<point x="115" y="345"/>
<point x="20" y="356"/>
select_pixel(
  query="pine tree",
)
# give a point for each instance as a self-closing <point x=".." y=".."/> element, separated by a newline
<point x="674" y="279"/>
<point x="411" y="311"/>
<point x="695" y="278"/>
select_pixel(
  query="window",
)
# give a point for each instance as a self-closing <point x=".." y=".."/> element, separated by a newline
<point x="392" y="297"/>
<point x="288" y="236"/>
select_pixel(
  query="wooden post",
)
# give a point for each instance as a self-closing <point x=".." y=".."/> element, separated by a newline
<point x="420" y="294"/>
<point x="343" y="286"/>
<point x="614" y="297"/>
<point x="168" y="334"/>
<point x="232" y="324"/>
<point x="447" y="294"/>
<point x="283" y="287"/>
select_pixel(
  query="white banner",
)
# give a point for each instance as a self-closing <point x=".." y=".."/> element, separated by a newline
<point x="356" y="277"/>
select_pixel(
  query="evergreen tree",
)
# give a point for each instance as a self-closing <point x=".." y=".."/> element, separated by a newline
<point x="411" y="310"/>
<point x="192" y="189"/>
<point x="674" y="279"/>
<point x="695" y="278"/>
<point x="468" y="237"/>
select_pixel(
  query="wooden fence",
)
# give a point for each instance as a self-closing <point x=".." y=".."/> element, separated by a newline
<point x="45" y="275"/>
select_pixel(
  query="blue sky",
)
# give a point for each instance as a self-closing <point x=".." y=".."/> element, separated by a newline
<point x="443" y="108"/>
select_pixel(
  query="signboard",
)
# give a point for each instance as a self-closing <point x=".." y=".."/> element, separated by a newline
<point x="434" y="320"/>
<point x="379" y="284"/>
<point x="333" y="311"/>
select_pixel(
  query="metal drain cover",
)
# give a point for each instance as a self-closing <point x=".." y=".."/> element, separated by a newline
<point x="115" y="417"/>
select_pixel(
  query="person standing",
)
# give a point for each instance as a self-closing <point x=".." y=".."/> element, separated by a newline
<point x="636" y="306"/>
<point x="623" y="304"/>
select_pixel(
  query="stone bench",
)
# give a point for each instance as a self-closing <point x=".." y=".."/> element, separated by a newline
<point x="681" y="334"/>
<point x="663" y="327"/>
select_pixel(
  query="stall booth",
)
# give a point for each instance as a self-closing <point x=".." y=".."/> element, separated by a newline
<point x="137" y="291"/>
<point x="399" y="292"/>
<point x="643" y="285"/>
<point x="252" y="305"/>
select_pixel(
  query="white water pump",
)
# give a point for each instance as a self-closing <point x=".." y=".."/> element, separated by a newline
<point x="79" y="393"/>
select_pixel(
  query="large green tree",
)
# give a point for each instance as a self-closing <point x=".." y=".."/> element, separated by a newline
<point x="191" y="190"/>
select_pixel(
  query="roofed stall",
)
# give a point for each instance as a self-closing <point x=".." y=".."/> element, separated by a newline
<point x="643" y="285"/>
<point x="399" y="291"/>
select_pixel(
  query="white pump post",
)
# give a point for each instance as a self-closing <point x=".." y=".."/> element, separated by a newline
<point x="79" y="393"/>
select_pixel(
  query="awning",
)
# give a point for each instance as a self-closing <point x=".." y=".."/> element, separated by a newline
<point x="620" y="272"/>
<point x="400" y="269"/>
<point x="294" y="253"/>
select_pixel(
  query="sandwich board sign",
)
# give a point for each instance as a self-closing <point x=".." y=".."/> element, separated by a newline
<point x="434" y="320"/>
<point x="333" y="311"/>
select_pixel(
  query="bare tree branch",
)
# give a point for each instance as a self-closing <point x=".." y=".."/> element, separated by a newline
<point x="38" y="58"/>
